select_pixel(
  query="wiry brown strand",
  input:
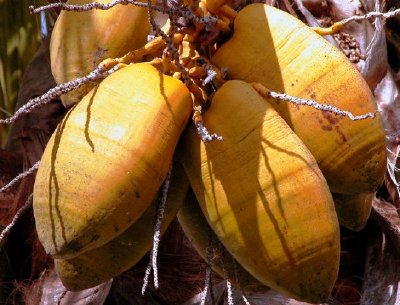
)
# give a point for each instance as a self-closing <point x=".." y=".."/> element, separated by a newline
<point x="229" y="293"/>
<point x="245" y="299"/>
<point x="83" y="7"/>
<point x="205" y="135"/>
<point x="173" y="51"/>
<point x="55" y="92"/>
<point x="181" y="12"/>
<point x="318" y="106"/>
<point x="372" y="15"/>
<point x="157" y="227"/>
<point x="337" y="26"/>
<point x="20" y="177"/>
<point x="307" y="102"/>
<point x="157" y="236"/>
<point x="4" y="234"/>
<point x="207" y="281"/>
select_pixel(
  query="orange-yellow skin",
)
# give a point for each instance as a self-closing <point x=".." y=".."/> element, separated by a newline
<point x="81" y="40"/>
<point x="106" y="160"/>
<point x="118" y="255"/>
<point x="264" y="196"/>
<point x="275" y="49"/>
<point x="353" y="210"/>
<point x="200" y="235"/>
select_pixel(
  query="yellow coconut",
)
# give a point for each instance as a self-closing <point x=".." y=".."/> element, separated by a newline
<point x="81" y="40"/>
<point x="118" y="255"/>
<point x="106" y="160"/>
<point x="275" y="49"/>
<point x="264" y="196"/>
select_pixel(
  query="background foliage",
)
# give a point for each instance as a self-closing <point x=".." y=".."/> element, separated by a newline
<point x="19" y="40"/>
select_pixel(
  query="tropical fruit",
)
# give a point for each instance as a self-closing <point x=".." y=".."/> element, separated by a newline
<point x="273" y="48"/>
<point x="353" y="210"/>
<point x="203" y="239"/>
<point x="118" y="255"/>
<point x="107" y="159"/>
<point x="263" y="195"/>
<point x="81" y="40"/>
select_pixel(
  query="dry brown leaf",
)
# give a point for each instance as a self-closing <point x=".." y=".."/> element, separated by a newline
<point x="387" y="217"/>
<point x="54" y="293"/>
<point x="381" y="283"/>
<point x="388" y="100"/>
<point x="376" y="65"/>
<point x="311" y="19"/>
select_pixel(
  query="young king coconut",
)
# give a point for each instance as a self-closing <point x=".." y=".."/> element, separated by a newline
<point x="81" y="40"/>
<point x="107" y="159"/>
<point x="275" y="49"/>
<point x="263" y="194"/>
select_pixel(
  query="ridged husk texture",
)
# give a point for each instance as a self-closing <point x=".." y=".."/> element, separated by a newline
<point x="118" y="255"/>
<point x="277" y="50"/>
<point x="264" y="196"/>
<point x="106" y="160"/>
<point x="81" y="40"/>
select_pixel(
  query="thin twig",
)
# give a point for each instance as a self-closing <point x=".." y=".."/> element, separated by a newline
<point x="146" y="278"/>
<point x="205" y="135"/>
<point x="84" y="7"/>
<point x="4" y="234"/>
<point x="55" y="92"/>
<point x="307" y="102"/>
<point x="229" y="293"/>
<point x="20" y="177"/>
<point x="338" y="26"/>
<point x="207" y="282"/>
<point x="157" y="227"/>
<point x="318" y="106"/>
<point x="245" y="299"/>
<point x="157" y="235"/>
<point x="171" y="11"/>
<point x="371" y="15"/>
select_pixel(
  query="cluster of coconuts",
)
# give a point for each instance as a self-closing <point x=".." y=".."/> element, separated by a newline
<point x="267" y="192"/>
